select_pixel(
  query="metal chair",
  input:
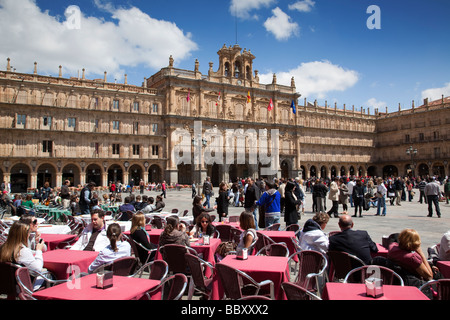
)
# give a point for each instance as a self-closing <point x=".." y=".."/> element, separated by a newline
<point x="185" y="213"/>
<point x="157" y="270"/>
<point x="158" y="222"/>
<point x="137" y="247"/>
<point x="224" y="230"/>
<point x="273" y="227"/>
<point x="199" y="281"/>
<point x="237" y="284"/>
<point x="341" y="264"/>
<point x="262" y="241"/>
<point x="274" y="249"/>
<point x="388" y="276"/>
<point x="254" y="298"/>
<point x="25" y="284"/>
<point x="172" y="287"/>
<point x="296" y="292"/>
<point x="312" y="266"/>
<point x="173" y="254"/>
<point x="440" y="289"/>
<point x="120" y="267"/>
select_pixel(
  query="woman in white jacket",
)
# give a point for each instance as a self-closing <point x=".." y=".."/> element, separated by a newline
<point x="312" y="236"/>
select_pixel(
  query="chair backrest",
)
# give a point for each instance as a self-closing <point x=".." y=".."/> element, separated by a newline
<point x="174" y="287"/>
<point x="274" y="249"/>
<point x="196" y="269"/>
<point x="255" y="298"/>
<point x="185" y="213"/>
<point x="233" y="219"/>
<point x="342" y="263"/>
<point x="24" y="281"/>
<point x="224" y="230"/>
<point x="174" y="211"/>
<point x="158" y="222"/>
<point x="124" y="266"/>
<point x="262" y="241"/>
<point x="296" y="292"/>
<point x="273" y="227"/>
<point x="235" y="235"/>
<point x="310" y="263"/>
<point x="440" y="287"/>
<point x="8" y="281"/>
<point x="173" y="254"/>
<point x="388" y="276"/>
<point x="159" y="270"/>
<point x="230" y="281"/>
<point x="293" y="227"/>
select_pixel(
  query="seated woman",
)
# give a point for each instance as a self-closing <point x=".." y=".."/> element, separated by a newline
<point x="247" y="223"/>
<point x="408" y="254"/>
<point x="115" y="250"/>
<point x="174" y="233"/>
<point x="312" y="236"/>
<point x="16" y="250"/>
<point x="34" y="235"/>
<point x="140" y="235"/>
<point x="203" y="226"/>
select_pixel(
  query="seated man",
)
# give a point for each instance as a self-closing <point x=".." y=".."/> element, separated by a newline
<point x="355" y="242"/>
<point x="127" y="206"/>
<point x="150" y="207"/>
<point x="93" y="237"/>
<point x="159" y="203"/>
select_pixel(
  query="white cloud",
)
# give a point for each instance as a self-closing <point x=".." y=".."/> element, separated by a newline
<point x="436" y="93"/>
<point x="280" y="25"/>
<point x="316" y="79"/>
<point x="242" y="8"/>
<point x="133" y="39"/>
<point x="302" y="6"/>
<point x="374" y="103"/>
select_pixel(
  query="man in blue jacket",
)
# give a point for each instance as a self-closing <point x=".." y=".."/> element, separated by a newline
<point x="270" y="201"/>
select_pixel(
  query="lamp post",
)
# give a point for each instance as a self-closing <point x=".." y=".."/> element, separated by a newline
<point x="412" y="152"/>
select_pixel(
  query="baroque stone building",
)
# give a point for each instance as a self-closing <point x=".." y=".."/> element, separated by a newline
<point x="182" y="125"/>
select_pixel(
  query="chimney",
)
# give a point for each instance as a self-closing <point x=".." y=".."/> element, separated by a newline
<point x="425" y="101"/>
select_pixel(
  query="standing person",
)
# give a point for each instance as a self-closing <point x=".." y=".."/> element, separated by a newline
<point x="142" y="186"/>
<point x="358" y="197"/>
<point x="422" y="184"/>
<point x="207" y="191"/>
<point x="270" y="200"/>
<point x="391" y="192"/>
<point x="381" y="196"/>
<point x="447" y="190"/>
<point x="343" y="195"/>
<point x="251" y="196"/>
<point x="334" y="197"/>
<point x="291" y="213"/>
<point x="85" y="198"/>
<point x="350" y="186"/>
<point x="319" y="191"/>
<point x="222" y="201"/>
<point x="194" y="190"/>
<point x="197" y="207"/>
<point x="432" y="191"/>
<point x="409" y="187"/>
<point x="300" y="193"/>
<point x="281" y="189"/>
<point x="398" y="191"/>
<point x="65" y="194"/>
<point x="163" y="189"/>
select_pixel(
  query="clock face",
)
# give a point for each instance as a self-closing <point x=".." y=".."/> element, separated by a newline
<point x="239" y="82"/>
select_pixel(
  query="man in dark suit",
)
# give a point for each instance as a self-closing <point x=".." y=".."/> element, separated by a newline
<point x="355" y="242"/>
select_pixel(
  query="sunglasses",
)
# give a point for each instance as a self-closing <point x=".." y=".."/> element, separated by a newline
<point x="205" y="221"/>
<point x="34" y="222"/>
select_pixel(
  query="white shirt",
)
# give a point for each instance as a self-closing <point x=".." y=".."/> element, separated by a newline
<point x="100" y="243"/>
<point x="108" y="255"/>
<point x="33" y="262"/>
<point x="315" y="240"/>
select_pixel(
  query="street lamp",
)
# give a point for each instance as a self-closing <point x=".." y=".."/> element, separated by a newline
<point x="412" y="152"/>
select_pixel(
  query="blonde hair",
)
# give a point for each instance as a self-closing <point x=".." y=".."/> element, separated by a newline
<point x="137" y="221"/>
<point x="17" y="236"/>
<point x="409" y="240"/>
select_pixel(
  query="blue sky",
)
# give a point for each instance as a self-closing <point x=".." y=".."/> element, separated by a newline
<point x="325" y="44"/>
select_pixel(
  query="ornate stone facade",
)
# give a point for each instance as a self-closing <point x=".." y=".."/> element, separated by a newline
<point x="54" y="128"/>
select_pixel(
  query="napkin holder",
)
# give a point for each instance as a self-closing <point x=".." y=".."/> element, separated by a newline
<point x="374" y="287"/>
<point x="385" y="242"/>
<point x="242" y="254"/>
<point x="104" y="280"/>
<point x="206" y="240"/>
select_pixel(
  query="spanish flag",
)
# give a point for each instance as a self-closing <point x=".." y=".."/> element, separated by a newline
<point x="218" y="100"/>
<point x="249" y="98"/>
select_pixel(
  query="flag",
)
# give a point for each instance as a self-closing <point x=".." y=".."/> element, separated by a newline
<point x="188" y="96"/>
<point x="294" y="111"/>
<point x="218" y="100"/>
<point x="249" y="98"/>
<point x="270" y="106"/>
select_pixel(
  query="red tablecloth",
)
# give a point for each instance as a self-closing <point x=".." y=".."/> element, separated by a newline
<point x="84" y="288"/>
<point x="152" y="232"/>
<point x="233" y="224"/>
<point x="60" y="262"/>
<point x="357" y="291"/>
<point x="207" y="251"/>
<point x="444" y="267"/>
<point x="282" y="236"/>
<point x="382" y="251"/>
<point x="53" y="240"/>
<point x="259" y="268"/>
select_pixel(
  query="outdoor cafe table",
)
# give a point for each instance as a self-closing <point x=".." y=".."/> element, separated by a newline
<point x="357" y="291"/>
<point x="152" y="232"/>
<point x="61" y="262"/>
<point x="54" y="228"/>
<point x="282" y="236"/>
<point x="53" y="240"/>
<point x="260" y="268"/>
<point x="444" y="268"/>
<point x="382" y="251"/>
<point x="84" y="288"/>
